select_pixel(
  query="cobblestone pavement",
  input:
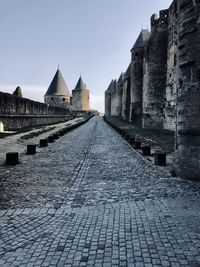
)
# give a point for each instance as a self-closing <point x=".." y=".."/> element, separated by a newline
<point x="91" y="200"/>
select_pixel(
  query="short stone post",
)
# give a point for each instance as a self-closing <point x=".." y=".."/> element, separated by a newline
<point x="137" y="144"/>
<point x="51" y="139"/>
<point x="132" y="141"/>
<point x="146" y="150"/>
<point x="160" y="158"/>
<point x="43" y="142"/>
<point x="127" y="137"/>
<point x="55" y="135"/>
<point x="31" y="149"/>
<point x="12" y="158"/>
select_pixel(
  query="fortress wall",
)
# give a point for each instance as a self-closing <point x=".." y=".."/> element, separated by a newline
<point x="107" y="103"/>
<point x="80" y="100"/>
<point x="114" y="104"/>
<point x="126" y="99"/>
<point x="17" y="112"/>
<point x="136" y="85"/>
<point x="155" y="71"/>
<point x="170" y="94"/>
<point x="187" y="153"/>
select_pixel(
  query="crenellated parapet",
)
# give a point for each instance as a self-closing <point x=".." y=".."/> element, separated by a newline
<point x="187" y="161"/>
<point x="155" y="72"/>
<point x="137" y="56"/>
<point x="164" y="82"/>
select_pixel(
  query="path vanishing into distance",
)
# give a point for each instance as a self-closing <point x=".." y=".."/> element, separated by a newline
<point x="90" y="199"/>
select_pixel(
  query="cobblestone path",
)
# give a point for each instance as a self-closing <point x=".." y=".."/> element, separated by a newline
<point x="91" y="200"/>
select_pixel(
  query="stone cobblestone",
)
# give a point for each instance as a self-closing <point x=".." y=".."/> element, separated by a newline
<point x="91" y="200"/>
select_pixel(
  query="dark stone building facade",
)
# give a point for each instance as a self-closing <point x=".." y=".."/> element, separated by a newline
<point x="165" y="81"/>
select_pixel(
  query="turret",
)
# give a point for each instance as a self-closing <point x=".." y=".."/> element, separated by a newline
<point x="155" y="72"/>
<point x="58" y="93"/>
<point x="111" y="88"/>
<point x="126" y="94"/>
<point x="80" y="96"/>
<point x="187" y="153"/>
<point x="137" y="54"/>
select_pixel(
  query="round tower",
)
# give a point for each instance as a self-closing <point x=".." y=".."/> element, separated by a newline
<point x="187" y="153"/>
<point x="108" y="93"/>
<point x="80" y="97"/>
<point x="155" y="72"/>
<point x="58" y="93"/>
<point x="137" y="54"/>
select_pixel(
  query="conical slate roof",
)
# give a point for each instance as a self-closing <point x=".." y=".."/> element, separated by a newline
<point x="80" y="85"/>
<point x="112" y="87"/>
<point x="58" y="86"/>
<point x="128" y="71"/>
<point x="121" y="77"/>
<point x="143" y="36"/>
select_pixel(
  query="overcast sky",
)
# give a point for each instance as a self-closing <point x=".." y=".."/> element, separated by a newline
<point x="91" y="37"/>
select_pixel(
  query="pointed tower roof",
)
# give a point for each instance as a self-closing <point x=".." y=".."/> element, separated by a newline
<point x="58" y="86"/>
<point x="112" y="87"/>
<point x="80" y="85"/>
<point x="121" y="77"/>
<point x="143" y="36"/>
<point x="128" y="71"/>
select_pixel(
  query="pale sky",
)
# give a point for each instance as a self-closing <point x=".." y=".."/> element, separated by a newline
<point x="91" y="37"/>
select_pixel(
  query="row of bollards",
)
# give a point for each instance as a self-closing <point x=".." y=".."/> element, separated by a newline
<point x="136" y="143"/>
<point x="12" y="158"/>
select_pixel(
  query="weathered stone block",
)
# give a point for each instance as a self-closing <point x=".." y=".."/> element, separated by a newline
<point x="31" y="149"/>
<point x="43" y="142"/>
<point x="12" y="158"/>
<point x="160" y="158"/>
<point x="146" y="150"/>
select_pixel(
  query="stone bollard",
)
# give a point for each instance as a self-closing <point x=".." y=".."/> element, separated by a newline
<point x="51" y="139"/>
<point x="127" y="137"/>
<point x="132" y="141"/>
<point x="146" y="150"/>
<point x="31" y="149"/>
<point x="160" y="158"/>
<point x="137" y="144"/>
<point x="43" y="142"/>
<point x="61" y="133"/>
<point x="12" y="158"/>
<point x="1" y="127"/>
<point x="55" y="135"/>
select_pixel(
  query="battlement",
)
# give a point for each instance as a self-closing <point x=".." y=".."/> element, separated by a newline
<point x="160" y="21"/>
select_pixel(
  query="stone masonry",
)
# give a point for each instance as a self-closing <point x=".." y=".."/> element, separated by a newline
<point x="17" y="112"/>
<point x="165" y="81"/>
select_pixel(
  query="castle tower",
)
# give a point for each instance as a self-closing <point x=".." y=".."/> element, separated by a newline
<point x="80" y="97"/>
<point x="155" y="72"/>
<point x="137" y="54"/>
<point x="119" y="92"/>
<point x="111" y="88"/>
<point x="58" y="93"/>
<point x="187" y="153"/>
<point x="170" y="93"/>
<point x="126" y="94"/>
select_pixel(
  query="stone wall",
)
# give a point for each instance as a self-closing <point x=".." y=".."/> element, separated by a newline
<point x="80" y="100"/>
<point x="155" y="70"/>
<point x="108" y="103"/>
<point x="136" y="85"/>
<point x="187" y="160"/>
<point x="11" y="122"/>
<point x="114" y="104"/>
<point x="126" y="98"/>
<point x="17" y="112"/>
<point x="170" y="93"/>
<point x="165" y="82"/>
